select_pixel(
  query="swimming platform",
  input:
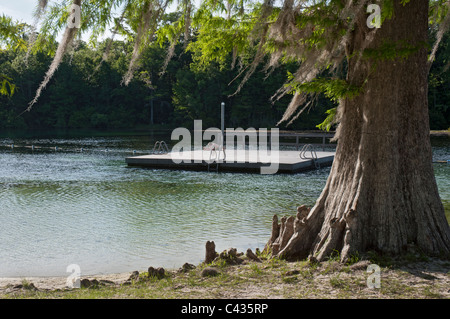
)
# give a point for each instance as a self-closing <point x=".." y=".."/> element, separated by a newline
<point x="251" y="161"/>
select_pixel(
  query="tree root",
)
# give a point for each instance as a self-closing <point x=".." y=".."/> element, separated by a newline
<point x="284" y="241"/>
<point x="305" y="237"/>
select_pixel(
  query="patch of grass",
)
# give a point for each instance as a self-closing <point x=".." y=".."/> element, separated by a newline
<point x="337" y="282"/>
<point x="219" y="263"/>
<point x="27" y="285"/>
<point x="289" y="279"/>
<point x="429" y="293"/>
<point x="256" y="270"/>
<point x="395" y="287"/>
<point x="335" y="256"/>
<point x="313" y="265"/>
<point x="307" y="273"/>
<point x="353" y="259"/>
<point x="264" y="255"/>
<point x="276" y="262"/>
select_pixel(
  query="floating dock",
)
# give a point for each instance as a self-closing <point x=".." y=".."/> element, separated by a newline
<point x="250" y="161"/>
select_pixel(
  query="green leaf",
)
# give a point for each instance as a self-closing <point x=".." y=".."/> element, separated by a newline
<point x="329" y="120"/>
<point x="6" y="88"/>
<point x="334" y="89"/>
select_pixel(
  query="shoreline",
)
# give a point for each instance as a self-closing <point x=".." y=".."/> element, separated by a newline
<point x="59" y="282"/>
<point x="441" y="133"/>
<point x="267" y="278"/>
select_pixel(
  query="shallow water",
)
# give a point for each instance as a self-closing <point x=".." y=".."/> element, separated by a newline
<point x="67" y="206"/>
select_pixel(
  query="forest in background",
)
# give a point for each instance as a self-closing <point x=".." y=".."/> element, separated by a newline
<point x="87" y="93"/>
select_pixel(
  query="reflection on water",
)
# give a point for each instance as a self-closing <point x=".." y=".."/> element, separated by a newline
<point x="86" y="207"/>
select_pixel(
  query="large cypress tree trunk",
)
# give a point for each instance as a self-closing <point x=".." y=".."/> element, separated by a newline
<point x="381" y="193"/>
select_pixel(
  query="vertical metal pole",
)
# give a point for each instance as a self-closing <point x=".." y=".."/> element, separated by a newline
<point x="222" y="124"/>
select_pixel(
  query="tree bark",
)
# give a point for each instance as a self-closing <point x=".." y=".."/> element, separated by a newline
<point x="381" y="193"/>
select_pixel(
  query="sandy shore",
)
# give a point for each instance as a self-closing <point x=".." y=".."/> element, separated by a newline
<point x="52" y="283"/>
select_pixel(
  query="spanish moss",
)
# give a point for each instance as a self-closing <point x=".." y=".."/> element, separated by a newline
<point x="40" y="10"/>
<point x="444" y="26"/>
<point x="150" y="17"/>
<point x="69" y="35"/>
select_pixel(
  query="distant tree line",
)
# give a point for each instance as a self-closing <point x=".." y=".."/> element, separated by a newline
<point x="439" y="87"/>
<point x="87" y="93"/>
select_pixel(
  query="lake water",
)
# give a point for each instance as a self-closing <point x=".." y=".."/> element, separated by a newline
<point x="86" y="207"/>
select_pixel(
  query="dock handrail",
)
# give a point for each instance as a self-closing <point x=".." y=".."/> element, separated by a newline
<point x="160" y="147"/>
<point x="310" y="148"/>
<point x="306" y="148"/>
<point x="216" y="148"/>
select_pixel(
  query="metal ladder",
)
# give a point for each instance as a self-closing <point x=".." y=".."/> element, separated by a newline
<point x="214" y="149"/>
<point x="310" y="148"/>
<point x="160" y="147"/>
